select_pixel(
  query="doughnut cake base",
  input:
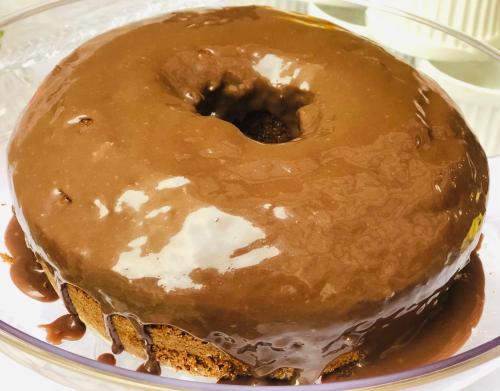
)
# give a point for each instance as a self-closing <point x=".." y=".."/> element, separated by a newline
<point x="173" y="347"/>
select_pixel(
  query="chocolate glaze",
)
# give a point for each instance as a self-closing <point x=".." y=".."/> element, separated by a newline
<point x="66" y="327"/>
<point x="107" y="358"/>
<point x="66" y="298"/>
<point x="455" y="315"/>
<point x="443" y="335"/>
<point x="151" y="365"/>
<point x="116" y="343"/>
<point x="25" y="271"/>
<point x="284" y="255"/>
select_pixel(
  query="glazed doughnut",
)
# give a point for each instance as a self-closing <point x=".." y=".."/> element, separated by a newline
<point x="246" y="191"/>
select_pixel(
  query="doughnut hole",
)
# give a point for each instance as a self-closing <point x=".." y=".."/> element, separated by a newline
<point x="262" y="112"/>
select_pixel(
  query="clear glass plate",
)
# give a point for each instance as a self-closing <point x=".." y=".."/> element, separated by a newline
<point x="33" y="42"/>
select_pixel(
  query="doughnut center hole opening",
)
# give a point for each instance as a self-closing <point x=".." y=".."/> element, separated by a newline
<point x="262" y="112"/>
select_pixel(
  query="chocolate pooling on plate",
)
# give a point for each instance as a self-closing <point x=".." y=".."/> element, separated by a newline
<point x="66" y="327"/>
<point x="25" y="271"/>
<point x="107" y="358"/>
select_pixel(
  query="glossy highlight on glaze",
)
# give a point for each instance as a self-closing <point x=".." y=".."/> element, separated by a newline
<point x="361" y="218"/>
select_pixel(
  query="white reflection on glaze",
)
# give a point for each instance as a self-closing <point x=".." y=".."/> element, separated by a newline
<point x="304" y="86"/>
<point x="132" y="198"/>
<point x="76" y="120"/>
<point x="280" y="212"/>
<point x="156" y="212"/>
<point x="105" y="297"/>
<point x="272" y="67"/>
<point x="170" y="183"/>
<point x="207" y="239"/>
<point x="103" y="211"/>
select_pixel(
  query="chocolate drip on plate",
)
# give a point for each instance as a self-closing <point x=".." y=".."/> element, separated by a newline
<point x="107" y="358"/>
<point x="65" y="296"/>
<point x="26" y="273"/>
<point x="116" y="343"/>
<point x="435" y="335"/>
<point x="458" y="312"/>
<point x="151" y="365"/>
<point x="66" y="327"/>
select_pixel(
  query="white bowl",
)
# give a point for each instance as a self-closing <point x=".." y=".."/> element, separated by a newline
<point x="398" y="24"/>
<point x="475" y="87"/>
<point x="479" y="19"/>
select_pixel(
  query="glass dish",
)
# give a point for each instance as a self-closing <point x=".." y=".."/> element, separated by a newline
<point x="32" y="44"/>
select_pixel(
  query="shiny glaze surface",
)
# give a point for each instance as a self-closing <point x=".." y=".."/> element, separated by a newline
<point x="457" y="313"/>
<point x="453" y="318"/>
<point x="284" y="255"/>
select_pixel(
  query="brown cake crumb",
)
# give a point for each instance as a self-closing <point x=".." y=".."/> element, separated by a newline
<point x="174" y="347"/>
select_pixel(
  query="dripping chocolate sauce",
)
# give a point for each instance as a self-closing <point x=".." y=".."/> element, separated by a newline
<point x="151" y="366"/>
<point x="66" y="298"/>
<point x="107" y="358"/>
<point x="67" y="327"/>
<point x="28" y="276"/>
<point x="25" y="272"/>
<point x="116" y="343"/>
<point x="438" y="339"/>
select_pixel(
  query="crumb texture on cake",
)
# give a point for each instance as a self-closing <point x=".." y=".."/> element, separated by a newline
<point x="173" y="347"/>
